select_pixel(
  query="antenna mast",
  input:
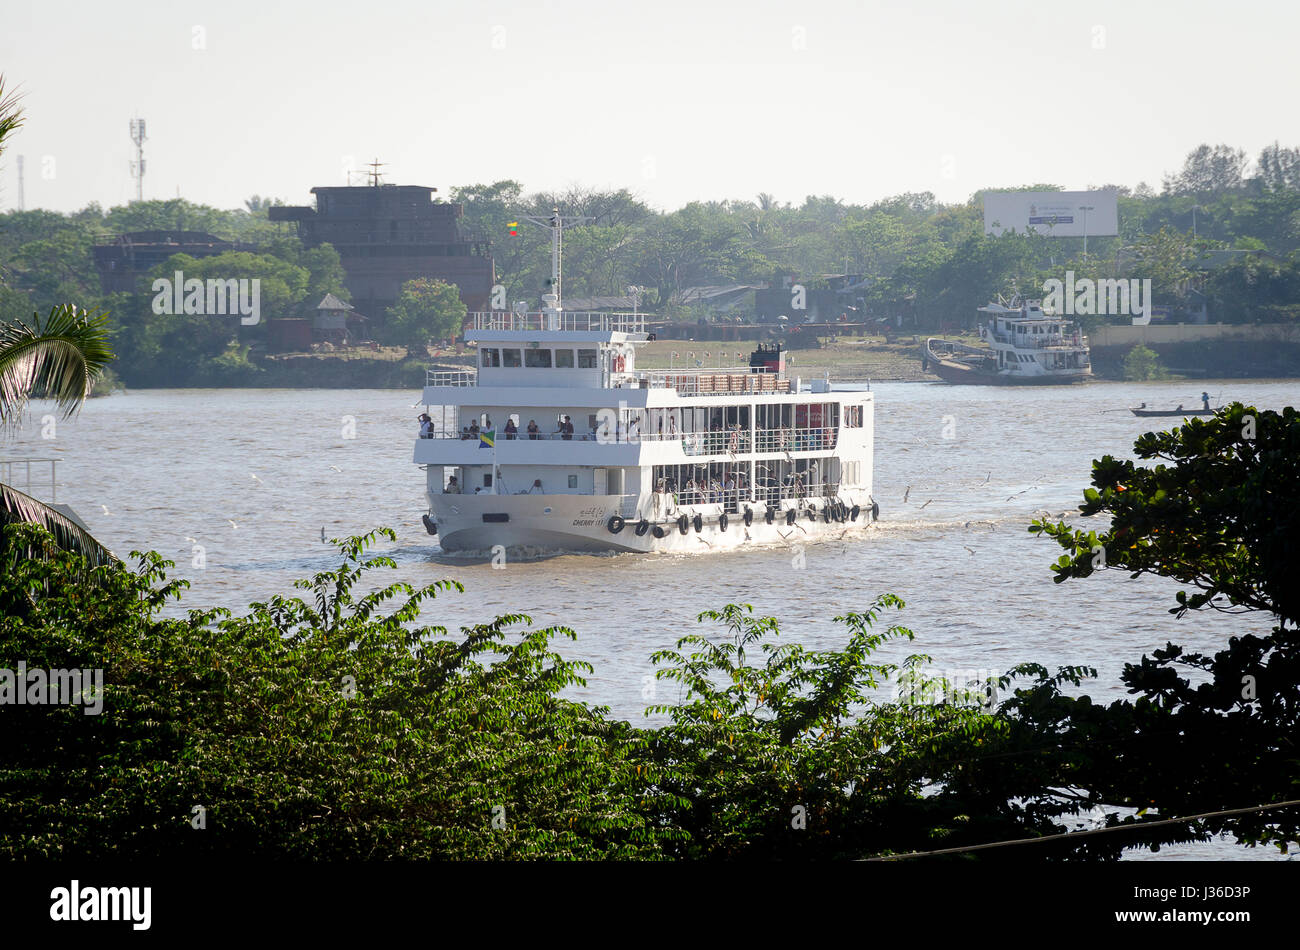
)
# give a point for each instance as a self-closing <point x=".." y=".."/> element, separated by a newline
<point x="137" y="167"/>
<point x="374" y="171"/>
<point x="555" y="224"/>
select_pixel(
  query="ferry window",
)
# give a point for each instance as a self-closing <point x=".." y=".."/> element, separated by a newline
<point x="573" y="481"/>
<point x="510" y="358"/>
<point x="537" y="359"/>
<point x="564" y="359"/>
<point x="586" y="359"/>
<point x="492" y="357"/>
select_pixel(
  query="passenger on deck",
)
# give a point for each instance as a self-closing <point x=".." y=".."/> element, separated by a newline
<point x="453" y="486"/>
<point x="464" y="432"/>
<point x="426" y="426"/>
<point x="532" y="429"/>
<point x="568" y="429"/>
<point x="473" y="430"/>
<point x="512" y="430"/>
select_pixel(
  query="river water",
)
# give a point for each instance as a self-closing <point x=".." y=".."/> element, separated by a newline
<point x="253" y="476"/>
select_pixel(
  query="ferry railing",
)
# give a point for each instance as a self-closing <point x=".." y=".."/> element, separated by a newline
<point x="450" y="378"/>
<point x="732" y="498"/>
<point x="564" y="320"/>
<point x="732" y="442"/>
<point x="713" y="381"/>
<point x="7" y="468"/>
<point x="1024" y="343"/>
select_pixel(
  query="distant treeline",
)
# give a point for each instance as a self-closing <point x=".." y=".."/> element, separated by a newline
<point x="926" y="263"/>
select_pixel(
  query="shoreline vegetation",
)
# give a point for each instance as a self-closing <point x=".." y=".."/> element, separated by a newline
<point x="341" y="725"/>
<point x="1217" y="243"/>
<point x="846" y="358"/>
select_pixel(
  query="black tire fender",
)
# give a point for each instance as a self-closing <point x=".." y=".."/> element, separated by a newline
<point x="615" y="524"/>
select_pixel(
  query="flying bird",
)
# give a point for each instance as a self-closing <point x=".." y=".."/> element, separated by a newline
<point x="906" y="493"/>
<point x="335" y="468"/>
<point x="106" y="511"/>
<point x="922" y="508"/>
<point x="322" y="532"/>
<point x="254" y="477"/>
<point x="972" y="551"/>
<point x="232" y="524"/>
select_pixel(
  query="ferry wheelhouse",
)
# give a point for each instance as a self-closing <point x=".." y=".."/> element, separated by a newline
<point x="602" y="456"/>
<point x="1025" y="346"/>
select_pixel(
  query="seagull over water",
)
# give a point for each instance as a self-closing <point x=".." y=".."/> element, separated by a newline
<point x="335" y="468"/>
<point x="232" y="524"/>
<point x="106" y="511"/>
<point x="254" y="477"/>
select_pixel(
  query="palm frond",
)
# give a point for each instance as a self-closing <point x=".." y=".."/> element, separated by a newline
<point x="11" y="114"/>
<point x="16" y="506"/>
<point x="56" y="358"/>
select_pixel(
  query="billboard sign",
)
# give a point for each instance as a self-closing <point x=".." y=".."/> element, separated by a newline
<point x="1054" y="213"/>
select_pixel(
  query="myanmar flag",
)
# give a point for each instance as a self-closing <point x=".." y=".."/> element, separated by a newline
<point x="487" y="439"/>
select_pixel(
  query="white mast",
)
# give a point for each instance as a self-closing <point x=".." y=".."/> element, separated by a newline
<point x="552" y="303"/>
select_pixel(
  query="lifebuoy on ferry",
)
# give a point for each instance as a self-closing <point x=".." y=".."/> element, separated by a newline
<point x="683" y="524"/>
<point x="722" y="521"/>
<point x="615" y="524"/>
<point x="699" y="524"/>
<point x="749" y="516"/>
<point x="642" y="527"/>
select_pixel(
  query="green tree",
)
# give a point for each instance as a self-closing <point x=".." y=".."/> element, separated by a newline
<point x="426" y="309"/>
<point x="1142" y="363"/>
<point x="1215" y="514"/>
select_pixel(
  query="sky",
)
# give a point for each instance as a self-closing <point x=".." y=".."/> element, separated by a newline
<point x="674" y="100"/>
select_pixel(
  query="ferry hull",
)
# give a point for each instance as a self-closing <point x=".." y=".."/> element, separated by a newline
<point x="580" y="524"/>
<point x="953" y="373"/>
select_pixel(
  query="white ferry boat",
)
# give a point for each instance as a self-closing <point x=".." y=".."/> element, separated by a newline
<point x="559" y="443"/>
<point x="1026" y="346"/>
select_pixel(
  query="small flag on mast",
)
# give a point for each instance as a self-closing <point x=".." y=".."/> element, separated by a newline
<point x="487" y="439"/>
<point x="514" y="228"/>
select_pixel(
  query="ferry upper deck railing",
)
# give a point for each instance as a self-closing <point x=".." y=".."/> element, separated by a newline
<point x="7" y="474"/>
<point x="712" y="381"/>
<point x="450" y="378"/>
<point x="561" y="321"/>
